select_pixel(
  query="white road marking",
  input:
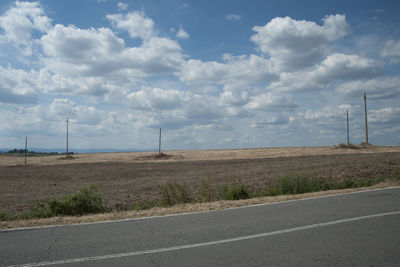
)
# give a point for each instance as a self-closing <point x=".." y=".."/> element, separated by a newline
<point x="203" y="244"/>
<point x="198" y="212"/>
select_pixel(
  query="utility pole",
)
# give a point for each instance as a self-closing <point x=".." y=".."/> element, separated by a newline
<point x="365" y="115"/>
<point x="26" y="147"/>
<point x="67" y="121"/>
<point x="348" y="137"/>
<point x="159" y="144"/>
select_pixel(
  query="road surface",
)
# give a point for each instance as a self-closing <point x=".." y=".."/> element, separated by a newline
<point x="344" y="230"/>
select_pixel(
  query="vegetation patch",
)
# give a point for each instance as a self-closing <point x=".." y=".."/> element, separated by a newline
<point x="83" y="202"/>
<point x="348" y="146"/>
<point x="145" y="204"/>
<point x="234" y="192"/>
<point x="89" y="200"/>
<point x="174" y="193"/>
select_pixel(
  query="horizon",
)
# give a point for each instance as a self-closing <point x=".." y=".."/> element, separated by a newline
<point x="211" y="74"/>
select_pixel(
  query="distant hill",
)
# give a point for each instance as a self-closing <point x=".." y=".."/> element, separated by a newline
<point x="73" y="150"/>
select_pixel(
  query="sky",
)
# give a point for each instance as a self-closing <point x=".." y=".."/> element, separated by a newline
<point x="212" y="74"/>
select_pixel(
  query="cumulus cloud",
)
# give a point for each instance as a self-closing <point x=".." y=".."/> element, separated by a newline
<point x="135" y="23"/>
<point x="243" y="69"/>
<point x="380" y="88"/>
<point x="19" y="21"/>
<point x="122" y="6"/>
<point x="155" y="99"/>
<point x="182" y="34"/>
<point x="335" y="67"/>
<point x="392" y="51"/>
<point x="81" y="114"/>
<point x="271" y="101"/>
<point x="325" y="113"/>
<point x="17" y="86"/>
<point x="85" y="53"/>
<point x="384" y="116"/>
<point x="294" y="44"/>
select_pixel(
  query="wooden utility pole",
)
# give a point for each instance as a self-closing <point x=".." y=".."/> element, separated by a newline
<point x="159" y="144"/>
<point x="365" y="115"/>
<point x="67" y="121"/>
<point x="348" y="137"/>
<point x="26" y="147"/>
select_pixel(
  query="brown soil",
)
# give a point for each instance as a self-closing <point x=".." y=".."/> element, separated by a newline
<point x="123" y="178"/>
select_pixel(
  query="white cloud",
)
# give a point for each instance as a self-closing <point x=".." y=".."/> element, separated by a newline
<point x="182" y="34"/>
<point x="135" y="23"/>
<point x="61" y="108"/>
<point x="335" y="67"/>
<point x="380" y="88"/>
<point x="233" y="17"/>
<point x="243" y="69"/>
<point x="271" y="101"/>
<point x="17" y="86"/>
<point x="325" y="113"/>
<point x="99" y="53"/>
<point x="155" y="99"/>
<point x="294" y="44"/>
<point x="122" y="6"/>
<point x="392" y="51"/>
<point x="384" y="116"/>
<point x="19" y="21"/>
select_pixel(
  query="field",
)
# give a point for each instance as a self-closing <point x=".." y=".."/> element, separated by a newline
<point x="125" y="178"/>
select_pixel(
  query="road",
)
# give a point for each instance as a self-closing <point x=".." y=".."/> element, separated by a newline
<point x="343" y="230"/>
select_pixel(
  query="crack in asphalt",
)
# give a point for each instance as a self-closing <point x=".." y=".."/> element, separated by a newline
<point x="53" y="236"/>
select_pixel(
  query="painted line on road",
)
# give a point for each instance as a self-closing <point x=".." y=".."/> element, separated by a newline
<point x="198" y="212"/>
<point x="204" y="244"/>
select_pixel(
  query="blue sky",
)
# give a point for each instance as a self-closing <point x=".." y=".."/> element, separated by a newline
<point x="212" y="74"/>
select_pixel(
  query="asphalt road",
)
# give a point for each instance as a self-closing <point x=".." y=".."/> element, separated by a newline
<point x="359" y="229"/>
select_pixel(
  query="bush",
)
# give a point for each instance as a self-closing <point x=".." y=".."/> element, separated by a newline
<point x="82" y="202"/>
<point x="348" y="146"/>
<point x="297" y="183"/>
<point x="233" y="192"/>
<point x="174" y="193"/>
<point x="206" y="192"/>
<point x="4" y="216"/>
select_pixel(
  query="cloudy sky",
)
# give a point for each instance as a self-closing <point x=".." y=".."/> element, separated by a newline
<point x="211" y="74"/>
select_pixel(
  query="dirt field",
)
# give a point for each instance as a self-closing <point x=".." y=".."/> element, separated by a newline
<point x="124" y="178"/>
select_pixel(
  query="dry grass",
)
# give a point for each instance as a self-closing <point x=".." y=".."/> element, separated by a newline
<point x="198" y="155"/>
<point x="179" y="209"/>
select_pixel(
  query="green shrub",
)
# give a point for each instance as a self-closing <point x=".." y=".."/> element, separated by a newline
<point x="233" y="192"/>
<point x="174" y="193"/>
<point x="4" y="216"/>
<point x="206" y="192"/>
<point x="298" y="183"/>
<point x="82" y="202"/>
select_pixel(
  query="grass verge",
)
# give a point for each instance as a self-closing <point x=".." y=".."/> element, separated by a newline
<point x="177" y="198"/>
<point x="80" y="203"/>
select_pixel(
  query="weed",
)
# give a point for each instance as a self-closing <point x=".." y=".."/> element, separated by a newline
<point x="298" y="183"/>
<point x="82" y="202"/>
<point x="4" y="216"/>
<point x="234" y="192"/>
<point x="206" y="192"/>
<point x="348" y="146"/>
<point x="145" y="204"/>
<point x="174" y="193"/>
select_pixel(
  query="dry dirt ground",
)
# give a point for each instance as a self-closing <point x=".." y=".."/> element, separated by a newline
<point x="123" y="178"/>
